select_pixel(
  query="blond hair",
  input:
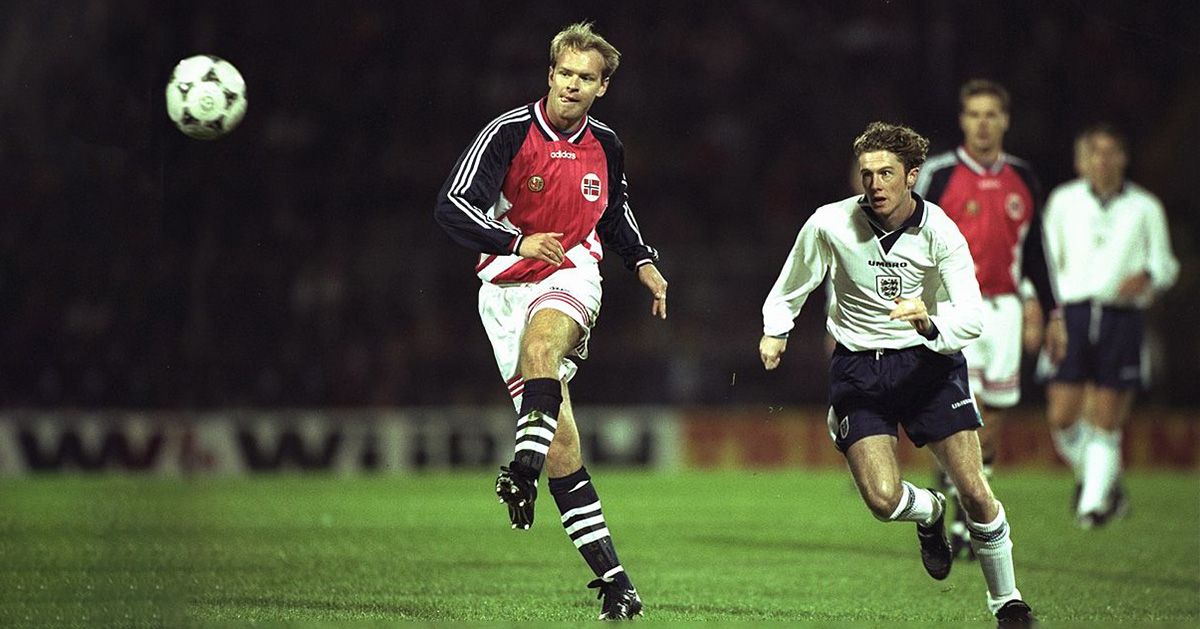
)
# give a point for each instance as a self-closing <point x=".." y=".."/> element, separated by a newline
<point x="905" y="143"/>
<point x="582" y="38"/>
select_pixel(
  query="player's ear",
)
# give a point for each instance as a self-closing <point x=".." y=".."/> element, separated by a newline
<point x="911" y="179"/>
<point x="550" y="77"/>
<point x="603" y="87"/>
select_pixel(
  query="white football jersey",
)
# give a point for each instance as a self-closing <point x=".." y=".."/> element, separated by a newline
<point x="870" y="268"/>
<point x="1094" y="246"/>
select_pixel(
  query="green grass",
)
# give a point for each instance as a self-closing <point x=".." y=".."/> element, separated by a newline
<point x="727" y="546"/>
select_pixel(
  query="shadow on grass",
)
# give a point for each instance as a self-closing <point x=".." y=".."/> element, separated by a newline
<point x="1087" y="571"/>
<point x="805" y="547"/>
<point x="281" y="605"/>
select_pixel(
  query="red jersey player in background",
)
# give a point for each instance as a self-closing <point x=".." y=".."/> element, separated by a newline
<point x="541" y="194"/>
<point x="995" y="199"/>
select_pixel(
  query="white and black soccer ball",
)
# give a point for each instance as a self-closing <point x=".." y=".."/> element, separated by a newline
<point x="206" y="97"/>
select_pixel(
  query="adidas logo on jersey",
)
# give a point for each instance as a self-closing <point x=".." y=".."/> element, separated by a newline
<point x="562" y="155"/>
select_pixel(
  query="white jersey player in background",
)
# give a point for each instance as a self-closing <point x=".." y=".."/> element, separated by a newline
<point x="1107" y="240"/>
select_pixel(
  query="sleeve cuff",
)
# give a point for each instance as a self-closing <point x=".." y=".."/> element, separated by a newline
<point x="932" y="332"/>
<point x="516" y="244"/>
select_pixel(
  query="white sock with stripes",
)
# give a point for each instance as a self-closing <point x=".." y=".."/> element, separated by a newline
<point x="916" y="505"/>
<point x="993" y="547"/>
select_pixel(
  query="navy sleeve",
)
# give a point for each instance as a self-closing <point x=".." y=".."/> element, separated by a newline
<point x="1034" y="264"/>
<point x="938" y="183"/>
<point x="618" y="229"/>
<point x="474" y="186"/>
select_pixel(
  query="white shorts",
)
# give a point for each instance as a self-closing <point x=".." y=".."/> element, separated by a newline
<point x="994" y="359"/>
<point x="505" y="309"/>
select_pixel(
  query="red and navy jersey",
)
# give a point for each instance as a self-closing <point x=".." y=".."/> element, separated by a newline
<point x="522" y="176"/>
<point x="998" y="210"/>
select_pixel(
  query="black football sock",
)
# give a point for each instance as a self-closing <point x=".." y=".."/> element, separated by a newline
<point x="583" y="520"/>
<point x="537" y="422"/>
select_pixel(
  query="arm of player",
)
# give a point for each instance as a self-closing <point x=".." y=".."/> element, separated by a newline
<point x="617" y="228"/>
<point x="964" y="322"/>
<point x="1052" y="240"/>
<point x="649" y="276"/>
<point x="802" y="273"/>
<point x="770" y="351"/>
<point x="913" y="310"/>
<point x="474" y="185"/>
<point x="545" y="246"/>
<point x="1162" y="265"/>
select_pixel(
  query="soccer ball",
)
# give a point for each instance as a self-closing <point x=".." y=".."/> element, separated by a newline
<point x="206" y="97"/>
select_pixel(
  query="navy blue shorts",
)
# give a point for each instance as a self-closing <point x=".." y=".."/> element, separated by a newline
<point x="1104" y="346"/>
<point x="874" y="392"/>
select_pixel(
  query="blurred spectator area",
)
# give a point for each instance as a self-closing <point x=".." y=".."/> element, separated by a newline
<point x="296" y="262"/>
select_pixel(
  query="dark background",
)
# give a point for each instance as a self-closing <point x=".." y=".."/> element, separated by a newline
<point x="296" y="261"/>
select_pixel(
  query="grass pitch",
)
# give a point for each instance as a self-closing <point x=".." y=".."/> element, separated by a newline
<point x="726" y="546"/>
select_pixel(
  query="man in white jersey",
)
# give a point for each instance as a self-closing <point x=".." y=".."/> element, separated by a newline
<point x="1107" y="240"/>
<point x="891" y="258"/>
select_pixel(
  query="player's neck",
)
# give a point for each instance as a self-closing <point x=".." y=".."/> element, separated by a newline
<point x="1106" y="190"/>
<point x="560" y="124"/>
<point x="893" y="221"/>
<point x="985" y="158"/>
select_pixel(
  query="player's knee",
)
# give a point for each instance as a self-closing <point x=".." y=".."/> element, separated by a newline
<point x="563" y="446"/>
<point x="882" y="500"/>
<point x="1059" y="416"/>
<point x="564" y="457"/>
<point x="977" y="500"/>
<point x="539" y="355"/>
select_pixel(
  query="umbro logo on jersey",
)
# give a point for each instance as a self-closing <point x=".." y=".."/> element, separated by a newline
<point x="960" y="403"/>
<point x="562" y="155"/>
<point x="890" y="265"/>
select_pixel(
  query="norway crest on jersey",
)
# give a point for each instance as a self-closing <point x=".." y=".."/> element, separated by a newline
<point x="590" y="187"/>
<point x="888" y="286"/>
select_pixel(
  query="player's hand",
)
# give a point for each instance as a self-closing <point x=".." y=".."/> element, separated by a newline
<point x="1031" y="330"/>
<point x="913" y="311"/>
<point x="544" y="246"/>
<point x="653" y="280"/>
<point x="1056" y="339"/>
<point x="770" y="350"/>
<point x="1133" y="286"/>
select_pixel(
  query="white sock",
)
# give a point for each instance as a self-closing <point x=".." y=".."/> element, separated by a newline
<point x="993" y="547"/>
<point x="1067" y="442"/>
<point x="916" y="505"/>
<point x="1101" y="464"/>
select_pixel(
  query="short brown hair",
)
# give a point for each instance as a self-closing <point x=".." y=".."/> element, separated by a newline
<point x="905" y="143"/>
<point x="1104" y="128"/>
<point x="976" y="87"/>
<point x="581" y="37"/>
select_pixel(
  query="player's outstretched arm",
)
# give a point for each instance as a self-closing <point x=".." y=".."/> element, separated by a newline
<point x="770" y="350"/>
<point x="657" y="284"/>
